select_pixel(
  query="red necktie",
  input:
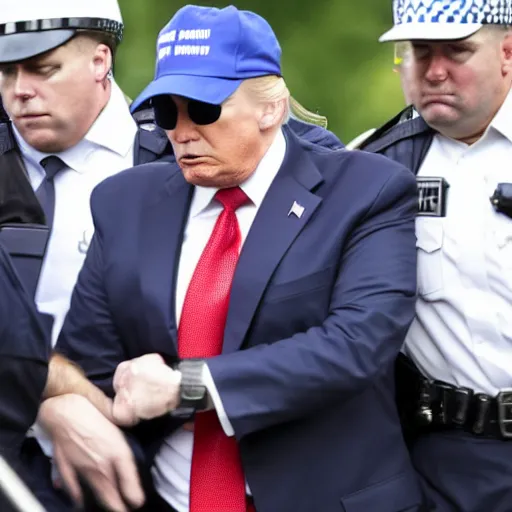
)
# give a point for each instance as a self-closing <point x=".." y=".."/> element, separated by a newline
<point x="217" y="482"/>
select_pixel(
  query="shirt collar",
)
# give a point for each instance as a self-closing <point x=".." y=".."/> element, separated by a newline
<point x="258" y="183"/>
<point x="500" y="126"/>
<point x="502" y="121"/>
<point x="114" y="130"/>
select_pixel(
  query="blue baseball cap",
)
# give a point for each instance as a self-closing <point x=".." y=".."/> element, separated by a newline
<point x="445" y="19"/>
<point x="205" y="53"/>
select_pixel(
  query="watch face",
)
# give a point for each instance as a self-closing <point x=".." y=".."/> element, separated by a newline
<point x="193" y="392"/>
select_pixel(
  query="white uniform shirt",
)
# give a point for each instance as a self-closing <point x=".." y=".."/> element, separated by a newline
<point x="171" y="471"/>
<point x="462" y="333"/>
<point x="105" y="150"/>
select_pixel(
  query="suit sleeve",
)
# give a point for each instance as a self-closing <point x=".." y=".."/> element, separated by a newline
<point x="371" y="308"/>
<point x="89" y="336"/>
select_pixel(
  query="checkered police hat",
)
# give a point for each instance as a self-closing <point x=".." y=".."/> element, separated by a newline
<point x="445" y="19"/>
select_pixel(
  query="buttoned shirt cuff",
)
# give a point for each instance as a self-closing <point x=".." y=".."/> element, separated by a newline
<point x="217" y="402"/>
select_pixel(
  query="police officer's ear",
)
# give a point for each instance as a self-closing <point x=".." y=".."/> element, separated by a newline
<point x="506" y="50"/>
<point x="102" y="61"/>
<point x="97" y="52"/>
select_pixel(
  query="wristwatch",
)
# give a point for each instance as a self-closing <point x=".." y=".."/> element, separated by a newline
<point x="193" y="393"/>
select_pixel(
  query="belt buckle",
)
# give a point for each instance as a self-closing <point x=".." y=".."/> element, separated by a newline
<point x="504" y="400"/>
<point x="442" y="406"/>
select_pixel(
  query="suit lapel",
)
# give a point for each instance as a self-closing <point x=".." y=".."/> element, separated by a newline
<point x="273" y="231"/>
<point x="162" y="233"/>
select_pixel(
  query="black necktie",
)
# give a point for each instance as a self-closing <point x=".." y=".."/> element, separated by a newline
<point x="46" y="191"/>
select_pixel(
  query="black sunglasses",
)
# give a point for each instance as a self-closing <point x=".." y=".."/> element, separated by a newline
<point x="166" y="112"/>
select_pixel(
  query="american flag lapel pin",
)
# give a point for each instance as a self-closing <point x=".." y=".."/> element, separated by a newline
<point x="296" y="209"/>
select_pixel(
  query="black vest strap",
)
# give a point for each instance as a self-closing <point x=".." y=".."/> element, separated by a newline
<point x="403" y="139"/>
<point x="18" y="202"/>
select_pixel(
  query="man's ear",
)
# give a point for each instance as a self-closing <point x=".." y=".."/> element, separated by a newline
<point x="102" y="62"/>
<point x="272" y="114"/>
<point x="506" y="50"/>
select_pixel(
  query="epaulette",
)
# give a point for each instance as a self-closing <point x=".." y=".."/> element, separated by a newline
<point x="150" y="136"/>
<point x="144" y="117"/>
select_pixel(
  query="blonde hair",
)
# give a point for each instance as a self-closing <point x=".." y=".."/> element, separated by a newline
<point x="302" y="113"/>
<point x="269" y="89"/>
<point x="273" y="88"/>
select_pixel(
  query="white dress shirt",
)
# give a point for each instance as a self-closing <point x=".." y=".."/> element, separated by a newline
<point x="171" y="471"/>
<point x="105" y="150"/>
<point x="462" y="333"/>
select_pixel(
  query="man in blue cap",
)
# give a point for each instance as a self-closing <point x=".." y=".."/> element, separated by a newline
<point x="68" y="127"/>
<point x="248" y="302"/>
<point x="454" y="387"/>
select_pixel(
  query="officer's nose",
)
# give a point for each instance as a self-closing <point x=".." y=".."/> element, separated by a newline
<point x="23" y="85"/>
<point x="436" y="69"/>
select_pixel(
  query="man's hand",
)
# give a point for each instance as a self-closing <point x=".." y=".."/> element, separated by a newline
<point x="145" y="388"/>
<point x="86" y="444"/>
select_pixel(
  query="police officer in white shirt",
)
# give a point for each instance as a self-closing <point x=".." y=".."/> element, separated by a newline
<point x="455" y="386"/>
<point x="72" y="126"/>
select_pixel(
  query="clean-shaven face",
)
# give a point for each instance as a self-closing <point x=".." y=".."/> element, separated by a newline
<point x="224" y="153"/>
<point x="458" y="86"/>
<point x="53" y="99"/>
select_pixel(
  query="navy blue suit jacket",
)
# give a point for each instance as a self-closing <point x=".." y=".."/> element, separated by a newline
<point x="319" y="308"/>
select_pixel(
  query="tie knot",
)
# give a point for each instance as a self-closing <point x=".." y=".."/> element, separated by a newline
<point x="231" y="198"/>
<point x="52" y="165"/>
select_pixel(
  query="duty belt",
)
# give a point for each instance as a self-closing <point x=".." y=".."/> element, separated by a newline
<point x="436" y="405"/>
